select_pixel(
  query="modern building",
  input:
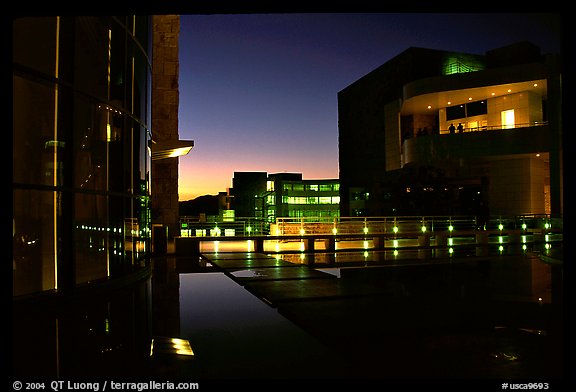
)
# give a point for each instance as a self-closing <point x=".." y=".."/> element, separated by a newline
<point x="400" y="151"/>
<point x="284" y="195"/>
<point x="94" y="104"/>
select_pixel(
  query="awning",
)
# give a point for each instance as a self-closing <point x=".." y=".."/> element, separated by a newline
<point x="170" y="148"/>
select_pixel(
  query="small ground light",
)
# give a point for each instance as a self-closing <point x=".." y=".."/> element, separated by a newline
<point x="450" y="250"/>
<point x="395" y="229"/>
<point x="500" y="226"/>
<point x="302" y="231"/>
<point x="249" y="229"/>
<point x="524" y="226"/>
<point x="365" y="230"/>
<point x="450" y="228"/>
<point x="334" y="231"/>
<point x="423" y="229"/>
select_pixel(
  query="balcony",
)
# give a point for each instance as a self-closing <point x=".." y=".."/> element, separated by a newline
<point x="476" y="143"/>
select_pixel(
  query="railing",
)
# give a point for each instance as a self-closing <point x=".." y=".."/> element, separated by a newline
<point x="194" y="227"/>
<point x="380" y="233"/>
<point x="394" y="224"/>
<point x="481" y="128"/>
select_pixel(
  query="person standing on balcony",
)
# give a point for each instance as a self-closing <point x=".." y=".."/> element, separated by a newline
<point x="452" y="129"/>
<point x="460" y="128"/>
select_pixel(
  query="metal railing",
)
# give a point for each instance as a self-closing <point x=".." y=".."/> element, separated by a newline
<point x="389" y="224"/>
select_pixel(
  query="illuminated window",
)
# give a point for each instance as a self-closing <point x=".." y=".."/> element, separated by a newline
<point x="313" y="187"/>
<point x="507" y="117"/>
<point x="270" y="186"/>
<point x="228" y="215"/>
<point x="461" y="64"/>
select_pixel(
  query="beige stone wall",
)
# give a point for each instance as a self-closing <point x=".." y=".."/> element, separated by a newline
<point x="165" y="100"/>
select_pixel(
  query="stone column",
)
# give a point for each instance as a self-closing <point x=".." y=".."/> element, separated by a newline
<point x="165" y="100"/>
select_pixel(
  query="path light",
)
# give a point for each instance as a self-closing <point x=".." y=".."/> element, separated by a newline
<point x="395" y="229"/>
<point x="450" y="228"/>
<point x="500" y="226"/>
<point x="423" y="229"/>
<point x="365" y="230"/>
<point x="334" y="231"/>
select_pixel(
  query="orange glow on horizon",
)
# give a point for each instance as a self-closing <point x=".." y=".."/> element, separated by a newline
<point x="197" y="178"/>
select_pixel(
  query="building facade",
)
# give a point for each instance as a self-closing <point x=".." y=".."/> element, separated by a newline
<point x="83" y="147"/>
<point x="435" y="132"/>
<point x="81" y="167"/>
<point x="284" y="195"/>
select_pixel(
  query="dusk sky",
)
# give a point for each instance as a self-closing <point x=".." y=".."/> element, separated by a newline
<point x="258" y="92"/>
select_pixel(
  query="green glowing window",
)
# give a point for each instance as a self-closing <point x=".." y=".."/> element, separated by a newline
<point x="461" y="64"/>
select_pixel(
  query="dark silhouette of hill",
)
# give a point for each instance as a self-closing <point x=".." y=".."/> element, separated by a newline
<point x="207" y="204"/>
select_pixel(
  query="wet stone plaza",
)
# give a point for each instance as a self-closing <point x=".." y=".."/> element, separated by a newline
<point x="349" y="315"/>
<point x="372" y="315"/>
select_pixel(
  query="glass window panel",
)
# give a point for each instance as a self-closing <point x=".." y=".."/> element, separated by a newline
<point x="35" y="219"/>
<point x="455" y="112"/>
<point x="28" y="50"/>
<point x="91" y="52"/>
<point x="36" y="152"/>
<point x="90" y="236"/>
<point x="476" y="108"/>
